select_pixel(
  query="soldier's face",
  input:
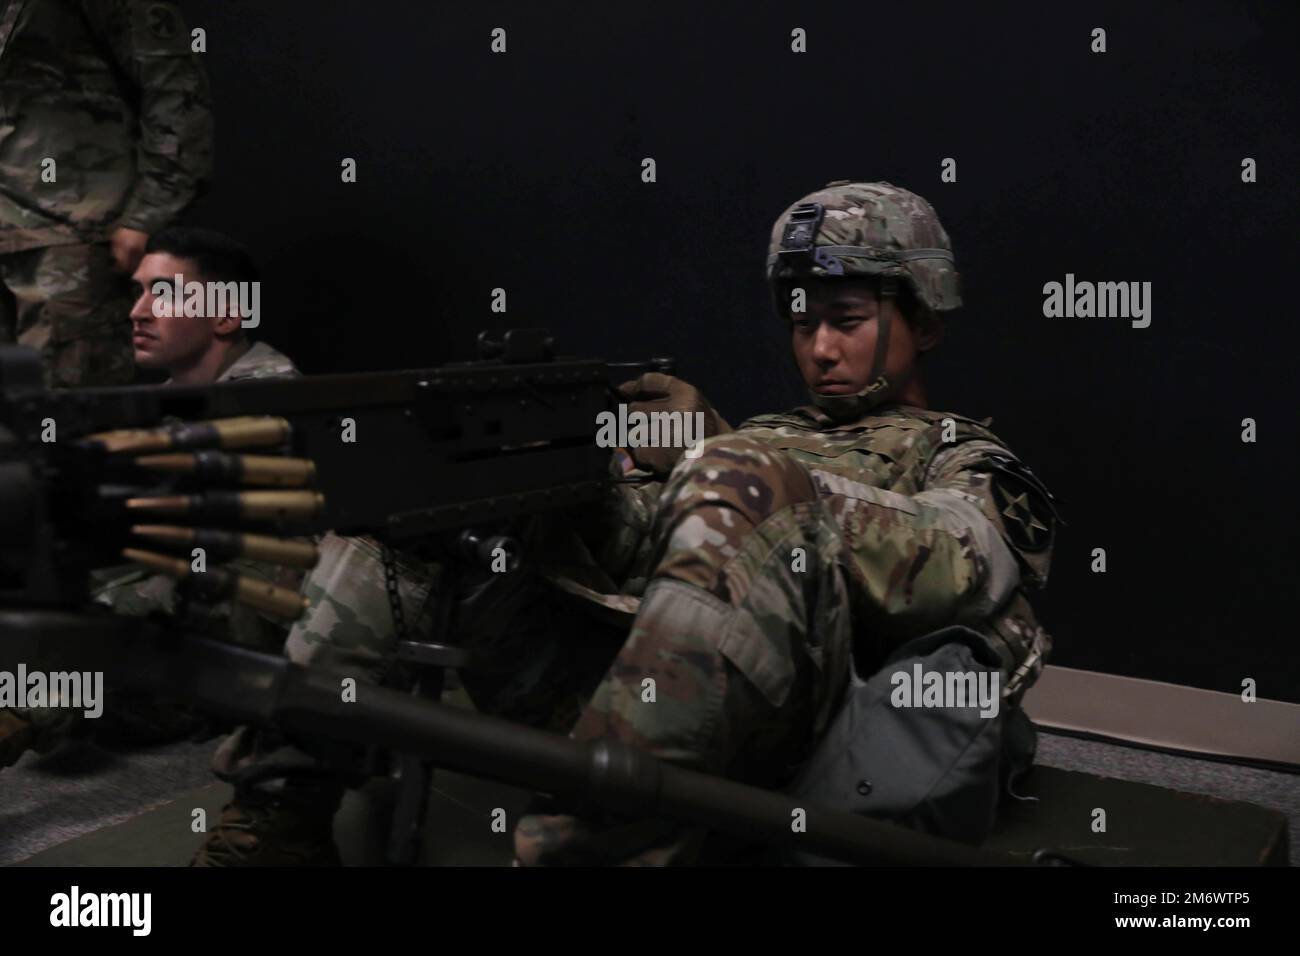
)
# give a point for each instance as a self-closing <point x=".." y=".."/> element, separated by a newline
<point x="161" y="334"/>
<point x="834" y="340"/>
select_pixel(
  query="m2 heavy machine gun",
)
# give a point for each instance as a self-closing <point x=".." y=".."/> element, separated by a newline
<point x="448" y="456"/>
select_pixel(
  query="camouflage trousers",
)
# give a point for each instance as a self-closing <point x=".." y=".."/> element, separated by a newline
<point x="743" y="635"/>
<point x="734" y="665"/>
<point x="133" y="592"/>
<point x="69" y="304"/>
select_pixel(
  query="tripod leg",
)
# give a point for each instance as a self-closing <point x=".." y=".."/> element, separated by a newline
<point x="406" y="836"/>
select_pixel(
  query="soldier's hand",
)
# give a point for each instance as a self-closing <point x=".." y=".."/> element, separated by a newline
<point x="656" y="392"/>
<point x="127" y="248"/>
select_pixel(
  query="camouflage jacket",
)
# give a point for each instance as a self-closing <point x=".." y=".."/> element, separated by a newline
<point x="946" y="526"/>
<point x="132" y="591"/>
<point x="110" y="91"/>
<point x="260" y="361"/>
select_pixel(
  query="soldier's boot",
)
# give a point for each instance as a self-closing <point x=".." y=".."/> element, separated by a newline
<point x="16" y="737"/>
<point x="137" y="720"/>
<point x="292" y="827"/>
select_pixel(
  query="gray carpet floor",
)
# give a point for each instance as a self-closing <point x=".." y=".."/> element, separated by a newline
<point x="1266" y="788"/>
<point x="80" y="788"/>
<point x="46" y="801"/>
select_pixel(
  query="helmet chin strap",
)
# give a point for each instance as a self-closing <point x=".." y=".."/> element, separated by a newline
<point x="848" y="407"/>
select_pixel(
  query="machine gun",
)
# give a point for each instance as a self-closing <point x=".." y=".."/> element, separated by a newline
<point x="401" y="455"/>
<point x="445" y="454"/>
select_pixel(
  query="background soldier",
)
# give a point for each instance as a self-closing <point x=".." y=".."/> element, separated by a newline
<point x="105" y="136"/>
<point x="198" y="350"/>
<point x="904" y="520"/>
<point x="194" y="350"/>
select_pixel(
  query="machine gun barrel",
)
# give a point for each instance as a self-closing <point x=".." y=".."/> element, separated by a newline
<point x="270" y="691"/>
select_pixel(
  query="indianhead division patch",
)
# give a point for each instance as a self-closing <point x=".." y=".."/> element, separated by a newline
<point x="1027" y="513"/>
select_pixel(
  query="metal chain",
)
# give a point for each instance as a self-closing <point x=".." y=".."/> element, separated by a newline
<point x="394" y="596"/>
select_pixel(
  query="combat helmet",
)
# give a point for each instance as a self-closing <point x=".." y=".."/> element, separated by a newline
<point x="865" y="229"/>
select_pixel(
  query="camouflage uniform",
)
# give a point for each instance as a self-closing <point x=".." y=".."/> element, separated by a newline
<point x="900" y="533"/>
<point x="811" y="543"/>
<point x="746" y="585"/>
<point x="135" y="592"/>
<point x="110" y="91"/>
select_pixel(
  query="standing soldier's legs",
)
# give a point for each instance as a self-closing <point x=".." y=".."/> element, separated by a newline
<point x="738" y="656"/>
<point x="38" y="728"/>
<point x="68" y="303"/>
<point x="8" y="305"/>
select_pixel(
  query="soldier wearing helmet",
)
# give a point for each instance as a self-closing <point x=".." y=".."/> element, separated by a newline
<point x="891" y="241"/>
<point x="742" y="605"/>
<point x="804" y="560"/>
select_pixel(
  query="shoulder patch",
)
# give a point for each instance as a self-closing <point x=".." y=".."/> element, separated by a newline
<point x="1028" y="509"/>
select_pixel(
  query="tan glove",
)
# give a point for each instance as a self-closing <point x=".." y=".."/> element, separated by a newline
<point x="656" y="392"/>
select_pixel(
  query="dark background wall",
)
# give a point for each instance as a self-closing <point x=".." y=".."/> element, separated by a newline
<point x="523" y="171"/>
